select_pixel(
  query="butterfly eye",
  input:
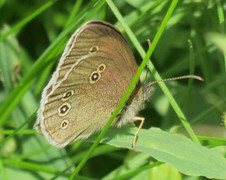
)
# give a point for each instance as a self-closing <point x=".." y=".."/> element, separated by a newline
<point x="67" y="95"/>
<point x="64" y="109"/>
<point x="64" y="124"/>
<point x="94" y="49"/>
<point x="101" y="67"/>
<point x="95" y="76"/>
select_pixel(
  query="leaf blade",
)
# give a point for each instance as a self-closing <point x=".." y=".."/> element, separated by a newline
<point x="188" y="157"/>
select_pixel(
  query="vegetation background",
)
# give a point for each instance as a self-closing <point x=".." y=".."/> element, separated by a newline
<point x="33" y="36"/>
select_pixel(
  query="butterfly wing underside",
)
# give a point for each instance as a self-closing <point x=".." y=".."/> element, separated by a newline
<point x="93" y="74"/>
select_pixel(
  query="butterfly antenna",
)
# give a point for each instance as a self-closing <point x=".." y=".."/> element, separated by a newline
<point x="178" y="78"/>
<point x="147" y="65"/>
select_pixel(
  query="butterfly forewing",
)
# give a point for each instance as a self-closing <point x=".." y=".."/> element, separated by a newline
<point x="92" y="76"/>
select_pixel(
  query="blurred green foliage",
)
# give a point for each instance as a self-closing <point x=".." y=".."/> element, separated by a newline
<point x="195" y="39"/>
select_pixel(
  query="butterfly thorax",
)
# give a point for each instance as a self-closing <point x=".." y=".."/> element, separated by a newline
<point x="134" y="104"/>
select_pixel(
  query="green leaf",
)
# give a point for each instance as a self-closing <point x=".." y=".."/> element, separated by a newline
<point x="165" y="171"/>
<point x="219" y="40"/>
<point x="188" y="157"/>
<point x="136" y="162"/>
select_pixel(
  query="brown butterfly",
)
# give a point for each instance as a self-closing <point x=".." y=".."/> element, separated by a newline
<point x="91" y="78"/>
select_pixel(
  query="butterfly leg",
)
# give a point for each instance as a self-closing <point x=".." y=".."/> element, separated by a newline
<point x="138" y="130"/>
